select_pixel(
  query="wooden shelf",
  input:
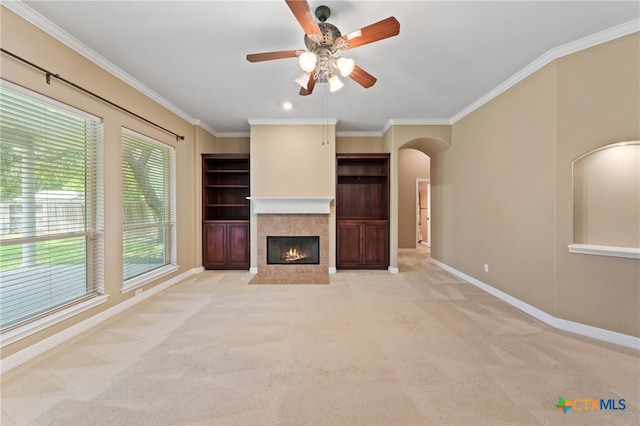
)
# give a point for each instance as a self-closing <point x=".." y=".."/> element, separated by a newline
<point x="362" y="211"/>
<point x="225" y="211"/>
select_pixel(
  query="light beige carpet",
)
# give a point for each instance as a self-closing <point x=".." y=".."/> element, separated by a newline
<point x="290" y="279"/>
<point x="419" y="347"/>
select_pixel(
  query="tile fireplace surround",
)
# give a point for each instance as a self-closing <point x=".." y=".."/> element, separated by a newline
<point x="292" y="223"/>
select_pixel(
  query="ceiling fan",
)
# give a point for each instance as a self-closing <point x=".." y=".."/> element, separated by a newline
<point x="323" y="40"/>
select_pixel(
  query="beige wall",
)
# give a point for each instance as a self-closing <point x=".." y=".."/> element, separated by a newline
<point x="362" y="144"/>
<point x="25" y="40"/>
<point x="231" y="145"/>
<point x="292" y="161"/>
<point x="412" y="165"/>
<point x="598" y="102"/>
<point x="502" y="193"/>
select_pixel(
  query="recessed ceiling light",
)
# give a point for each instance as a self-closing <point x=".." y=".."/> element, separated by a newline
<point x="287" y="105"/>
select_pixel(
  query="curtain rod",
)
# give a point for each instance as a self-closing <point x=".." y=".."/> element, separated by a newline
<point x="50" y="74"/>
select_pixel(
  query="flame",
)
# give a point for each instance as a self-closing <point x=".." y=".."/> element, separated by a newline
<point x="292" y="255"/>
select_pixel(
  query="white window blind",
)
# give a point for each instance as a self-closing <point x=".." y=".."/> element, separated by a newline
<point x="148" y="194"/>
<point x="49" y="205"/>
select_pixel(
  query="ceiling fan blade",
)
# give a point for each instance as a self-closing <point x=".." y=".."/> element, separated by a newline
<point x="380" y="30"/>
<point x="303" y="14"/>
<point x="362" y="77"/>
<point x="306" y="91"/>
<point x="268" y="56"/>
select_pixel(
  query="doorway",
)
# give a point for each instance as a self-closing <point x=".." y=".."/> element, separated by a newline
<point x="423" y="212"/>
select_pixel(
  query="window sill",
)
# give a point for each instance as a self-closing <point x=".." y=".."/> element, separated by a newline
<point x="33" y="327"/>
<point x="627" y="252"/>
<point x="139" y="281"/>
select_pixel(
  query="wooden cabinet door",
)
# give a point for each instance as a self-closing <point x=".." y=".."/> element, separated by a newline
<point x="362" y="245"/>
<point x="214" y="243"/>
<point x="375" y="247"/>
<point x="348" y="245"/>
<point x="238" y="245"/>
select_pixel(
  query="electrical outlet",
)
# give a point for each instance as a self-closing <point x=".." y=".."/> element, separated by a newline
<point x="486" y="267"/>
<point x="138" y="291"/>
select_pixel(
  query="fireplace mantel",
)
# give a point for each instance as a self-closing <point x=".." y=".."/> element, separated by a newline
<point x="291" y="205"/>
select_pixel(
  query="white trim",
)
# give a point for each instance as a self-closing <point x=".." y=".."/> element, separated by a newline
<point x="15" y="360"/>
<point x="137" y="282"/>
<point x="393" y="270"/>
<point x="253" y="270"/>
<point x="358" y="134"/>
<point x="627" y="252"/>
<point x="333" y="270"/>
<point x="233" y="135"/>
<point x="206" y="127"/>
<point x="291" y="205"/>
<point x="550" y="56"/>
<point x="12" y="336"/>
<point x="292" y="121"/>
<point x="58" y="33"/>
<point x="559" y="323"/>
<point x="415" y="122"/>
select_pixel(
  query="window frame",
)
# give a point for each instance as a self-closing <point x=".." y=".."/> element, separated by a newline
<point x="92" y="233"/>
<point x="169" y="225"/>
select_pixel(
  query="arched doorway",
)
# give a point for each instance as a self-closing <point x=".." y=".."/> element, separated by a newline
<point x="407" y="137"/>
<point x="414" y="174"/>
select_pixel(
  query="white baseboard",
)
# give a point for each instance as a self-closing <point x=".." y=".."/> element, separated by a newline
<point x="394" y="270"/>
<point x="333" y="270"/>
<point x="15" y="360"/>
<point x="253" y="270"/>
<point x="559" y="323"/>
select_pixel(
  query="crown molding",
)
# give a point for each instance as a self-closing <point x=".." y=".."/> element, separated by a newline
<point x="205" y="126"/>
<point x="292" y="121"/>
<point x="358" y="134"/>
<point x="64" y="37"/>
<point x="553" y="54"/>
<point x="415" y="122"/>
<point x="233" y="135"/>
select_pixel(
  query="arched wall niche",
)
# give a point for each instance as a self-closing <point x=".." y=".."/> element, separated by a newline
<point x="606" y="200"/>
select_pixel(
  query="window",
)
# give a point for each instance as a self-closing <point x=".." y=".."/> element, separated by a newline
<point x="50" y="205"/>
<point x="148" y="202"/>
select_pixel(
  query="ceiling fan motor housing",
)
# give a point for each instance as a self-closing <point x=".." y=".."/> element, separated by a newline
<point x="327" y="40"/>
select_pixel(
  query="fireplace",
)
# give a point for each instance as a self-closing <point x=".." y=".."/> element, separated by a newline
<point x="293" y="250"/>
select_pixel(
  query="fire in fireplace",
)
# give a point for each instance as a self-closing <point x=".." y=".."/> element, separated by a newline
<point x="293" y="250"/>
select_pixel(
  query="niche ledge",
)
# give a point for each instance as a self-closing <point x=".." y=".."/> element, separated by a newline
<point x="627" y="252"/>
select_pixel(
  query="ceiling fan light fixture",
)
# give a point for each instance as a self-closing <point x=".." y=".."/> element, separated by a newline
<point x="303" y="80"/>
<point x="307" y="61"/>
<point x="334" y="83"/>
<point x="346" y="66"/>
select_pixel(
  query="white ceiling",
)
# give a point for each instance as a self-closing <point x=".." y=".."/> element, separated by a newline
<point x="449" y="56"/>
